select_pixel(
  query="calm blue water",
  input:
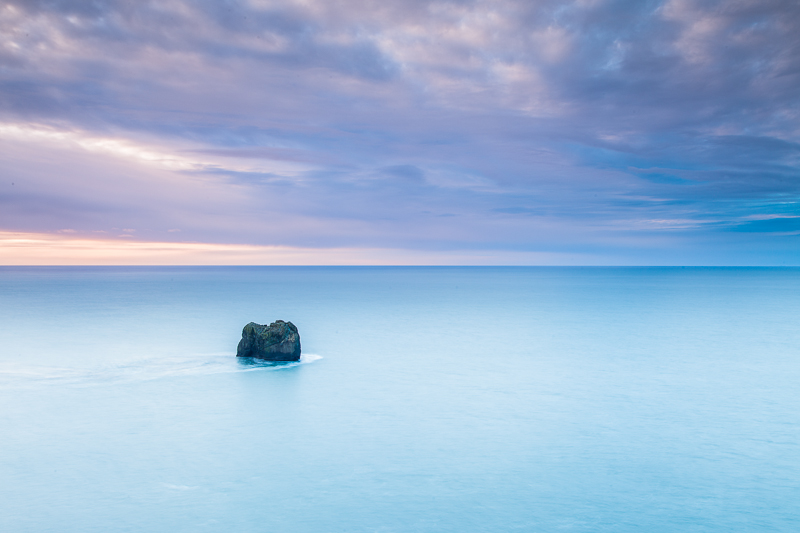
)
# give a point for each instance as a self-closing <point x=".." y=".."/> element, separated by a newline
<point x="429" y="400"/>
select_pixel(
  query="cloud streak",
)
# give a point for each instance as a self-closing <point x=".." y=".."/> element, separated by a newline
<point x="17" y="249"/>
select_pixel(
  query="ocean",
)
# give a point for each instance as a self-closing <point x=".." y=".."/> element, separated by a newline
<point x="428" y="399"/>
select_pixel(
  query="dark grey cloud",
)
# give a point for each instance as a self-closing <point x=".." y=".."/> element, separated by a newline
<point x="531" y="125"/>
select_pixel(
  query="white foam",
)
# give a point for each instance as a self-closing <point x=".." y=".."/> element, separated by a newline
<point x="143" y="370"/>
<point x="178" y="487"/>
<point x="309" y="358"/>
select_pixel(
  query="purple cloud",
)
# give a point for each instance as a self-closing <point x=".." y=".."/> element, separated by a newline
<point x="641" y="131"/>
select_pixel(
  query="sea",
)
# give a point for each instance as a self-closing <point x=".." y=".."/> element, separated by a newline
<point x="428" y="399"/>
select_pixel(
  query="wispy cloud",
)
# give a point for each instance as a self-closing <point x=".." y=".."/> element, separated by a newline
<point x="47" y="249"/>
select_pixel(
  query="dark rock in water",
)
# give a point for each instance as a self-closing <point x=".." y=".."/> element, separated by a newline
<point x="279" y="341"/>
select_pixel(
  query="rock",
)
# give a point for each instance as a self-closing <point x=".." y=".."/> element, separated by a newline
<point x="279" y="341"/>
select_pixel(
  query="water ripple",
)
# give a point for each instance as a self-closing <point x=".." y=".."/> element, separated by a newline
<point x="142" y="370"/>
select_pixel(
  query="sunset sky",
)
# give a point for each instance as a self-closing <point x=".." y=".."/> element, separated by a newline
<point x="584" y="132"/>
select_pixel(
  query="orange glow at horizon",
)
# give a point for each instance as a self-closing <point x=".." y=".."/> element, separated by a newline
<point x="42" y="249"/>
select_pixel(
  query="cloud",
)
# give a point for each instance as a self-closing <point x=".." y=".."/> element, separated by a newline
<point x="42" y="249"/>
<point x="547" y="126"/>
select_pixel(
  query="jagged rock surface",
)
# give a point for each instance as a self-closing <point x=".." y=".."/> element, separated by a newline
<point x="279" y="341"/>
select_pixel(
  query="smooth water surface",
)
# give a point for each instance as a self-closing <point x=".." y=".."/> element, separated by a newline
<point x="428" y="400"/>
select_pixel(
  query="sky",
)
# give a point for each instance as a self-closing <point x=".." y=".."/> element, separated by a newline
<point x="585" y="132"/>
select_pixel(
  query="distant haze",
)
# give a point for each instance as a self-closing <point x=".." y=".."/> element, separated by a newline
<point x="411" y="132"/>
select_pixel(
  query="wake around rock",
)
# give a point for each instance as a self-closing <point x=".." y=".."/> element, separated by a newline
<point x="279" y="341"/>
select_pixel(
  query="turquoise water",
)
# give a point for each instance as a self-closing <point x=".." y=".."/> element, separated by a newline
<point x="428" y="400"/>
